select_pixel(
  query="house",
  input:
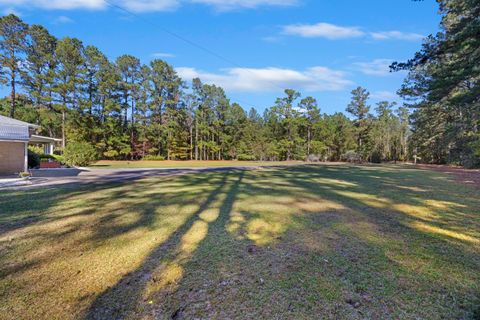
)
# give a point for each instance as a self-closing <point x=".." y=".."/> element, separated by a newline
<point x="15" y="136"/>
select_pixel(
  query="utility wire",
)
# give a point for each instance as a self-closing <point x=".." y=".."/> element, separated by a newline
<point x="190" y="42"/>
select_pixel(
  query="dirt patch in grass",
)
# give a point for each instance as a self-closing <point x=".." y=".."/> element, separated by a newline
<point x="466" y="176"/>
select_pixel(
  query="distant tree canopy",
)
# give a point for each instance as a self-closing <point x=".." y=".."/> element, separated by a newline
<point x="129" y="110"/>
<point x="443" y="87"/>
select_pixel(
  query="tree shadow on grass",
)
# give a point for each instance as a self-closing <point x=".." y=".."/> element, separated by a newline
<point x="204" y="269"/>
<point x="164" y="265"/>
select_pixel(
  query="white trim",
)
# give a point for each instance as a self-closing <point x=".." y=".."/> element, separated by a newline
<point x="6" y="140"/>
<point x="25" y="166"/>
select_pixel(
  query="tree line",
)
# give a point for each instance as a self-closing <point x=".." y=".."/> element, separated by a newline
<point x="443" y="88"/>
<point x="129" y="110"/>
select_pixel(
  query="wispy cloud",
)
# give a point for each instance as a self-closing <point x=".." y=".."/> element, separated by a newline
<point x="396" y="35"/>
<point x="55" y="4"/>
<point x="63" y="20"/>
<point x="149" y="5"/>
<point x="162" y="55"/>
<point x="322" y="30"/>
<point x="223" y="5"/>
<point x="334" y="32"/>
<point x="143" y="5"/>
<point x="271" y="79"/>
<point x="377" y="67"/>
<point x="384" y="95"/>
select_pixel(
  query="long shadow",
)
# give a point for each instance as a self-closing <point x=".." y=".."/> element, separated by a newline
<point x="124" y="298"/>
<point x="215" y="248"/>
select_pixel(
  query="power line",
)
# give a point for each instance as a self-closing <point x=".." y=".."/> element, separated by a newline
<point x="190" y="42"/>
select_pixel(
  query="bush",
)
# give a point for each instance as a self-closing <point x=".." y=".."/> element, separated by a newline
<point x="24" y="174"/>
<point x="79" y="154"/>
<point x="47" y="157"/>
<point x="54" y="157"/>
<point x="36" y="149"/>
<point x="246" y="157"/>
<point x="352" y="156"/>
<point x="376" y="157"/>
<point x="313" y="158"/>
<point x="33" y="159"/>
<point x="153" y="158"/>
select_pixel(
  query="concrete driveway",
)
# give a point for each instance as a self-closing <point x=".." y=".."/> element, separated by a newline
<point x="81" y="176"/>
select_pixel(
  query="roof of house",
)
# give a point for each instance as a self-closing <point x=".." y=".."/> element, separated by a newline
<point x="15" y="130"/>
<point x="14" y="122"/>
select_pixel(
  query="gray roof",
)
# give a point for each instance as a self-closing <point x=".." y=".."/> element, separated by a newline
<point x="14" y="122"/>
<point x="12" y="129"/>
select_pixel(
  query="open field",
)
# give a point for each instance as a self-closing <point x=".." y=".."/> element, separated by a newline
<point x="188" y="164"/>
<point x="288" y="243"/>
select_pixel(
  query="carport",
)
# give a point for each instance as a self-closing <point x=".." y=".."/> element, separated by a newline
<point x="14" y="138"/>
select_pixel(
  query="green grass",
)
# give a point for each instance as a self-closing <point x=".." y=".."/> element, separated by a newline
<point x="300" y="242"/>
<point x="111" y="164"/>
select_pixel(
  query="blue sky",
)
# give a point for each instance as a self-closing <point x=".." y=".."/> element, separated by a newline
<point x="322" y="48"/>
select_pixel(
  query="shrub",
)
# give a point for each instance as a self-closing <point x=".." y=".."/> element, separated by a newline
<point x="246" y="157"/>
<point x="376" y="157"/>
<point x="79" y="154"/>
<point x="352" y="156"/>
<point x="313" y="158"/>
<point x="153" y="158"/>
<point x="36" y="149"/>
<point x="33" y="159"/>
<point x="46" y="157"/>
<point x="24" y="174"/>
<point x="54" y="157"/>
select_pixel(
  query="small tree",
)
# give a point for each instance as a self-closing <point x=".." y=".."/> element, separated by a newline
<point x="79" y="154"/>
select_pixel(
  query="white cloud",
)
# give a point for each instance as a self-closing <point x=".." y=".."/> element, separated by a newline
<point x="377" y="67"/>
<point x="56" y="4"/>
<point x="223" y="5"/>
<point x="384" y="95"/>
<point x="332" y="32"/>
<point x="323" y="30"/>
<point x="149" y="5"/>
<point x="396" y="35"/>
<point x="271" y="79"/>
<point x="162" y="55"/>
<point x="141" y="5"/>
<point x="62" y="19"/>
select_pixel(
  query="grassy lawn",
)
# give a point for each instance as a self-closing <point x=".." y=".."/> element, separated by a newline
<point x="186" y="164"/>
<point x="300" y="242"/>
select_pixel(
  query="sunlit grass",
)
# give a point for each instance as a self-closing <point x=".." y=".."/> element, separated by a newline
<point x="295" y="242"/>
<point x="112" y="164"/>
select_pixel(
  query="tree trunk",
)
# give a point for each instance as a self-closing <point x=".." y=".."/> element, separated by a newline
<point x="12" y="96"/>
<point x="63" y="128"/>
<point x="196" y="139"/>
<point x="308" y="141"/>
<point x="191" y="142"/>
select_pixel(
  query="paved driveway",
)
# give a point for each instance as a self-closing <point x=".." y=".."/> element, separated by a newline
<point x="62" y="177"/>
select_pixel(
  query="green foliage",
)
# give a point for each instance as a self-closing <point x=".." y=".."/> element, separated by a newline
<point x="444" y="85"/>
<point x="128" y="110"/>
<point x="153" y="158"/>
<point x="352" y="156"/>
<point x="52" y="157"/>
<point x="36" y="149"/>
<point x="33" y="159"/>
<point x="79" y="154"/>
<point x="246" y="157"/>
<point x="24" y="174"/>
